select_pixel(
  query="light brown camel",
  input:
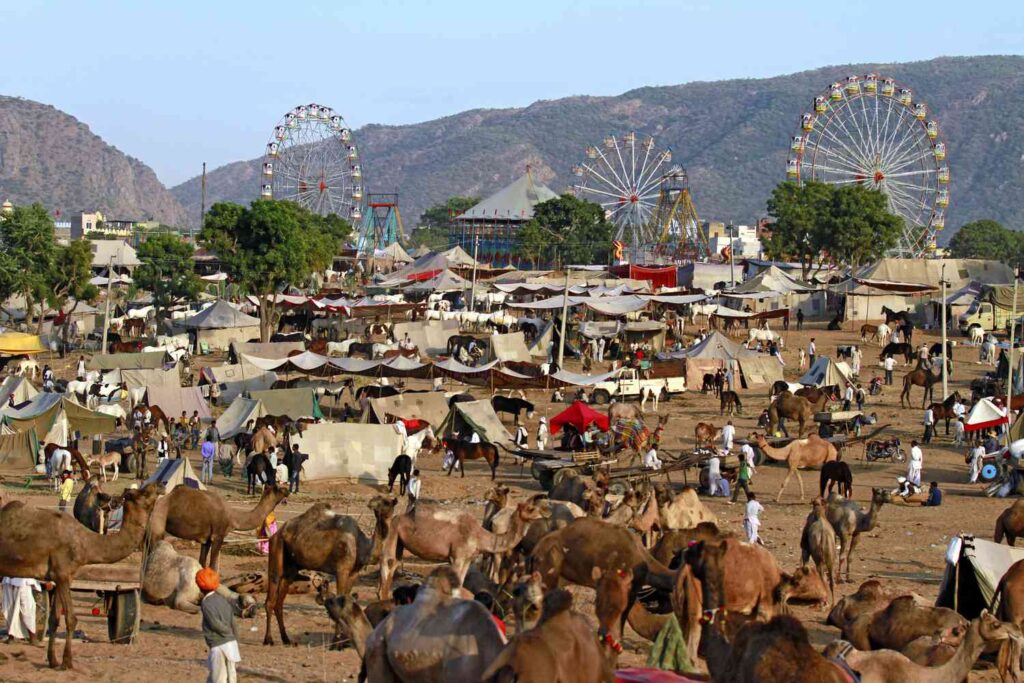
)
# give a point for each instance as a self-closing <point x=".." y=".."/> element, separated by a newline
<point x="1010" y="524"/>
<point x="706" y="433"/>
<point x="1008" y="606"/>
<point x="264" y="440"/>
<point x="740" y="577"/>
<point x="560" y="649"/>
<point x="170" y="579"/>
<point x="674" y="541"/>
<point x="818" y="543"/>
<point x="805" y="585"/>
<point x="47" y="545"/>
<point x="779" y="650"/>
<point x="813" y="451"/>
<point x="791" y="407"/>
<point x="849" y="521"/>
<point x="438" y="535"/>
<point x="436" y="639"/>
<point x="646" y="521"/>
<point x="683" y="510"/>
<point x="495" y="500"/>
<point x="870" y="598"/>
<point x="561" y="514"/>
<point x="321" y="540"/>
<point x="204" y="517"/>
<point x="889" y="666"/>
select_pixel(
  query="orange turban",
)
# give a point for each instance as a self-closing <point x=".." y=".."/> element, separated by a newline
<point x="207" y="579"/>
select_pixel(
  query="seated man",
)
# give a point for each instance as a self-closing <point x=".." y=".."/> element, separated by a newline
<point x="908" y="491"/>
<point x="651" y="460"/>
<point x="934" y="495"/>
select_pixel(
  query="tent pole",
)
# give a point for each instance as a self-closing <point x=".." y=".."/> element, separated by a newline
<point x="1009" y="355"/>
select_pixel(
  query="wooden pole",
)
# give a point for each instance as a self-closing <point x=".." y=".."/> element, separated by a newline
<point x="106" y="315"/>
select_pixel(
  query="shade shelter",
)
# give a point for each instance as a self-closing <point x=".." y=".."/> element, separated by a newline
<point x="984" y="415"/>
<point x="580" y="416"/>
<point x="219" y="325"/>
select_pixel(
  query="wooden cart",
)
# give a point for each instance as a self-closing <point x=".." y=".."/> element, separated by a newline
<point x="844" y="421"/>
<point x="120" y="587"/>
<point x="546" y="466"/>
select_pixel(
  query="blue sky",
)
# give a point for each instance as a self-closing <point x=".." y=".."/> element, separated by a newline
<point x="179" y="83"/>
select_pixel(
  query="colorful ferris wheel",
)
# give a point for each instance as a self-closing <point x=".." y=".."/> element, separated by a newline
<point x="312" y="160"/>
<point x="870" y="130"/>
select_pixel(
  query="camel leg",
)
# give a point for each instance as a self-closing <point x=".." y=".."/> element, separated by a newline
<point x="282" y="592"/>
<point x="388" y="563"/>
<point x="52" y="622"/>
<point x="215" y="544"/>
<point x="800" y="480"/>
<point x="784" y="482"/>
<point x="70" y="622"/>
<point x="117" y="471"/>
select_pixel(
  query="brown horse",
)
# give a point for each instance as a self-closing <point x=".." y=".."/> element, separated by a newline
<point x="730" y="401"/>
<point x="464" y="450"/>
<point x="414" y="353"/>
<point x="157" y="416"/>
<point x="318" y="346"/>
<point x="126" y="347"/>
<point x="135" y="327"/>
<point x="868" y="332"/>
<point x="944" y="410"/>
<point x="76" y="457"/>
<point x="140" y="449"/>
<point x="919" y="377"/>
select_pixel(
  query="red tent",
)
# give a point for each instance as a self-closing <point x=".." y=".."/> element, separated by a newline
<point x="580" y="416"/>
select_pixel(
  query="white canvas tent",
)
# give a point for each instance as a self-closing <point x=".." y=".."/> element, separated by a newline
<point x="175" y="400"/>
<point x="429" y="336"/>
<point x="984" y="415"/>
<point x="758" y="371"/>
<point x="18" y="388"/>
<point x="174" y="472"/>
<point x="221" y="324"/>
<point x="236" y="379"/>
<point x="827" y="373"/>
<point x="481" y="418"/>
<point x="151" y="377"/>
<point x="348" y="450"/>
<point x="431" y="407"/>
<point x="508" y="347"/>
<point x="238" y="414"/>
<point x="974" y="567"/>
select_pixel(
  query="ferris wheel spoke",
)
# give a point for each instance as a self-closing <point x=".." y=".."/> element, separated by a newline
<point x="869" y="140"/>
<point x="611" y="186"/>
<point x="605" y="193"/>
<point x="649" y="177"/>
<point x="913" y="155"/>
<point x="919" y="193"/>
<point x="620" y="183"/>
<point x="920" y="172"/>
<point x="622" y="165"/>
<point x="833" y="156"/>
<point x="855" y="157"/>
<point x="903" y="137"/>
<point x="840" y="121"/>
<point x="912" y="207"/>
<point x="908" y="145"/>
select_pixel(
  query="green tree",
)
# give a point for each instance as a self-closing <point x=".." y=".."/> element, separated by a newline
<point x="435" y="222"/>
<point x="799" y="232"/>
<point x="28" y="248"/>
<point x="167" y="271"/>
<point x="271" y="245"/>
<point x="986" y="239"/>
<point x="568" y="230"/>
<point x="69" y="281"/>
<point x="858" y="226"/>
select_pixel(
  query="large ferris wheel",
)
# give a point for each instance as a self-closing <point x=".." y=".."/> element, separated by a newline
<point x="869" y="130"/>
<point x="312" y="160"/>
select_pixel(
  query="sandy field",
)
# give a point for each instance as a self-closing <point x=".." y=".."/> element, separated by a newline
<point x="905" y="551"/>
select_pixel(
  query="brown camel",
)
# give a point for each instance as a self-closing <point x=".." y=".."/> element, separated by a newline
<point x="683" y="510"/>
<point x="438" y="535"/>
<point x="927" y="635"/>
<point x="706" y="433"/>
<point x="1008" y="606"/>
<point x="264" y="440"/>
<point x="920" y="377"/>
<point x="674" y="541"/>
<point x="810" y="452"/>
<point x="560" y="649"/>
<point x="47" y="545"/>
<point x="869" y="599"/>
<point x="1010" y="524"/>
<point x="889" y="666"/>
<point x="562" y="513"/>
<point x="779" y="650"/>
<point x="321" y="540"/>
<point x="646" y="521"/>
<point x="204" y="517"/>
<point x="818" y="542"/>
<point x="791" y="407"/>
<point x="740" y="577"/>
<point x="805" y="585"/>
<point x="849" y="521"/>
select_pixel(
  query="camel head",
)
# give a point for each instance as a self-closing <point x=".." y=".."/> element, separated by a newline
<point x="497" y="495"/>
<point x="527" y="598"/>
<point x="992" y="629"/>
<point x="383" y="507"/>
<point x="818" y="506"/>
<point x="343" y="609"/>
<point x="141" y="500"/>
<point x="880" y="496"/>
<point x="276" y="491"/>
<point x="530" y="510"/>
<point x="803" y="584"/>
<point x="759" y="439"/>
<point x="707" y="563"/>
<point x="613" y="588"/>
<point x="593" y="501"/>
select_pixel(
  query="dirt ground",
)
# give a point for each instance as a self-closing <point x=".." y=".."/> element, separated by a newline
<point x="905" y="551"/>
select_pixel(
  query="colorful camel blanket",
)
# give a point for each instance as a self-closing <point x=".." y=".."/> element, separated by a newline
<point x="630" y="434"/>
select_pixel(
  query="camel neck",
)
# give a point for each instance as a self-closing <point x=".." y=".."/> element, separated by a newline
<point x="957" y="668"/>
<point x="251" y="519"/>
<point x="105" y="549"/>
<point x="505" y="542"/>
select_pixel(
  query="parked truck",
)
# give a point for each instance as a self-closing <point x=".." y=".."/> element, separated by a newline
<point x="628" y="385"/>
<point x="984" y="315"/>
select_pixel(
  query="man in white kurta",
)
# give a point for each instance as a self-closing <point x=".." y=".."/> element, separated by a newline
<point x="752" y="519"/>
<point x="915" y="464"/>
<point x="20" y="607"/>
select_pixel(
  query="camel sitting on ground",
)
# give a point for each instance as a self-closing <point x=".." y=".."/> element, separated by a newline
<point x="438" y="535"/>
<point x="170" y="579"/>
<point x="792" y="407"/>
<point x="889" y="666"/>
<point x="849" y="521"/>
<point x="204" y="517"/>
<point x="818" y="542"/>
<point x="321" y="540"/>
<point x="810" y="452"/>
<point x="683" y="510"/>
<point x="869" y="599"/>
<point x="1008" y="606"/>
<point x="1010" y="524"/>
<point x="47" y="545"/>
<point x="805" y="585"/>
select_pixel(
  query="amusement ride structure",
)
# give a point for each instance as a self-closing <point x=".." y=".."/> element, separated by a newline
<point x="870" y="130"/>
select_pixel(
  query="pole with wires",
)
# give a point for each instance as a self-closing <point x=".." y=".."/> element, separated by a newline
<point x="1009" y="353"/>
<point x="565" y="314"/>
<point x="106" y="314"/>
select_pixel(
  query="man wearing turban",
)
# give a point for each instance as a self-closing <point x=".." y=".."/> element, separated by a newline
<point x="219" y="628"/>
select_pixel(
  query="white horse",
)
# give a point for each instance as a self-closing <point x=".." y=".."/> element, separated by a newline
<point x="755" y="335"/>
<point x="340" y="348"/>
<point x="883" y="333"/>
<point x="414" y="443"/>
<point x="380" y="349"/>
<point x="28" y="365"/>
<point x="977" y="335"/>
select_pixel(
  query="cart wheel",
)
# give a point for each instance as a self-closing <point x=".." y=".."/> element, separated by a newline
<point x="588" y="470"/>
<point x="899" y="455"/>
<point x="123" y="616"/>
<point x="705" y="481"/>
<point x="547" y="480"/>
<point x="535" y="471"/>
<point x="989" y="473"/>
<point x="617" y="488"/>
<point x="758" y="457"/>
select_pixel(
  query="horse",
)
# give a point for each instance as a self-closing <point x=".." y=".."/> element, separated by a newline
<point x="892" y="316"/>
<point x="460" y="398"/>
<point x="919" y="377"/>
<point x="135" y="327"/>
<point x="503" y="404"/>
<point x="813" y="394"/>
<point x="156" y="416"/>
<point x="340" y="348"/>
<point x="364" y="348"/>
<point x="414" y="353"/>
<point x="465" y="450"/>
<point x="140" y="445"/>
<point x="126" y="347"/>
<point x="730" y="400"/>
<point x="462" y="341"/>
<point x="317" y="346"/>
<point x="376" y="391"/>
<point x="836" y="472"/>
<point x="868" y="332"/>
<point x="287" y="337"/>
<point x="778" y="387"/>
<point x="902" y="349"/>
<point x="760" y="335"/>
<point x="258" y="467"/>
<point x="708" y="383"/>
<point x="529" y="331"/>
<point x="400" y="469"/>
<point x="28" y="367"/>
<point x="377" y="330"/>
<point x="378" y="350"/>
<point x="76" y="458"/>
<point x="944" y="410"/>
<point x="108" y="458"/>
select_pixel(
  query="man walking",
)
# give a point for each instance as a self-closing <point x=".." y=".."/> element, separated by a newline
<point x="295" y="463"/>
<point x="728" y="434"/>
<point x="812" y="350"/>
<point x="889" y="364"/>
<point x="195" y="424"/>
<point x="848" y="396"/>
<point x="915" y="464"/>
<point x="929" y="425"/>
<point x="752" y="519"/>
<point x="742" y="481"/>
<point x="219" y="628"/>
<point x="799" y="319"/>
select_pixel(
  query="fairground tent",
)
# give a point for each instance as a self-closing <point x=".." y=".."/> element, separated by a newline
<point x="707" y="356"/>
<point x="17" y="387"/>
<point x="348" y="450"/>
<point x="446" y="281"/>
<point x="43" y="411"/>
<point x="221" y="324"/>
<point x="19" y="343"/>
<point x="758" y="371"/>
<point x="827" y="373"/>
<point x="295" y="403"/>
<point x="580" y="416"/>
<point x="539" y="347"/>
<point x="974" y="567"/>
<point x="431" y="407"/>
<point x="156" y="377"/>
<point x="174" y="472"/>
<point x="127" y="361"/>
<point x="269" y="349"/>
<point x="481" y="418"/>
<point x="508" y="347"/>
<point x="430" y="337"/>
<point x="238" y="414"/>
<point x="176" y="400"/>
<point x="18" y="448"/>
<point x="236" y="379"/>
<point x="984" y="415"/>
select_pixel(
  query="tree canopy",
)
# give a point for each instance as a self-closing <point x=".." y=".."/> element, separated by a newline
<point x="167" y="271"/>
<point x="270" y="245"/>
<point x="436" y="221"/>
<point x="987" y="239"/>
<point x="566" y="230"/>
<point x="817" y="224"/>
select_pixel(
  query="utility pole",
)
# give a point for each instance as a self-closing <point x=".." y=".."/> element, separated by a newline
<point x="945" y="360"/>
<point x="106" y="315"/>
<point x="565" y="314"/>
<point x="202" y="207"/>
<point x="732" y="260"/>
<point x="1009" y="355"/>
<point x="472" y="291"/>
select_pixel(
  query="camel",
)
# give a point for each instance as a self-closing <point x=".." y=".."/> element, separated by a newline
<point x="805" y="585"/>
<point x="926" y="635"/>
<point x="170" y="579"/>
<point x="779" y="650"/>
<point x="264" y="440"/>
<point x="204" y="517"/>
<point x="792" y="407"/>
<point x="818" y="542"/>
<point x="737" y="576"/>
<point x="527" y="602"/>
<point x="706" y="433"/>
<point x="438" y="535"/>
<point x="809" y="452"/>
<point x="47" y="545"/>
<point x="620" y="410"/>
<point x="92" y="506"/>
<point x="1008" y="606"/>
<point x="571" y="486"/>
<point x="861" y="606"/>
<point x="321" y="540"/>
<point x="889" y="666"/>
<point x="674" y="541"/>
<point x="682" y="510"/>
<point x="1010" y="523"/>
<point x="646" y="520"/>
<point x="438" y="638"/>
<point x="108" y="458"/>
<point x="561" y="514"/>
<point x="920" y="377"/>
<point x="849" y="521"/>
<point x="561" y="648"/>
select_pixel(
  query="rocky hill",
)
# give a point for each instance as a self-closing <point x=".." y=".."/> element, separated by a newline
<point x="50" y="157"/>
<point x="732" y="136"/>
